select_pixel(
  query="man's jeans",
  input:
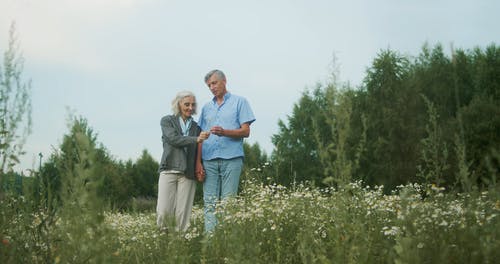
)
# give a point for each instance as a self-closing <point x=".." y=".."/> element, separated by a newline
<point x="221" y="181"/>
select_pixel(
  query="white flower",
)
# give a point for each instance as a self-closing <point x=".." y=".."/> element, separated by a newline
<point x="393" y="231"/>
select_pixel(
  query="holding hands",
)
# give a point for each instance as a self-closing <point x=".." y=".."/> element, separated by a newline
<point x="199" y="171"/>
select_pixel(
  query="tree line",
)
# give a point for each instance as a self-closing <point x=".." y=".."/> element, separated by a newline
<point x="433" y="118"/>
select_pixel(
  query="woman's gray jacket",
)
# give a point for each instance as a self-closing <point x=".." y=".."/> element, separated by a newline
<point x="179" y="151"/>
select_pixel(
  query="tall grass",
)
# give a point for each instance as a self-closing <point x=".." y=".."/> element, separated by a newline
<point x="274" y="224"/>
<point x="434" y="153"/>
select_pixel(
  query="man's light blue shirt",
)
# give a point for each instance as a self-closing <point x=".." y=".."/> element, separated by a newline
<point x="231" y="114"/>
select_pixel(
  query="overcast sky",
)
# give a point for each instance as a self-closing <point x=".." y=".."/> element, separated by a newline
<point x="119" y="63"/>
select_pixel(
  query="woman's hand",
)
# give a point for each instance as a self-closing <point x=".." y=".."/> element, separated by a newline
<point x="203" y="135"/>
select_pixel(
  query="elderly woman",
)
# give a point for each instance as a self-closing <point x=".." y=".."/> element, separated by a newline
<point x="177" y="182"/>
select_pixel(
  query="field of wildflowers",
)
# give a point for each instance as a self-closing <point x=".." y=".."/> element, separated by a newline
<point x="274" y="224"/>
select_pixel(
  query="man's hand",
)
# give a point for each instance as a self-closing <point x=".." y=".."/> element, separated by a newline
<point x="242" y="132"/>
<point x="217" y="130"/>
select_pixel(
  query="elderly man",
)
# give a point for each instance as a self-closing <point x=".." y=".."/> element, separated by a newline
<point x="228" y="117"/>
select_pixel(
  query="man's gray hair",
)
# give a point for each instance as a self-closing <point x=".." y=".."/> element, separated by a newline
<point x="181" y="95"/>
<point x="218" y="73"/>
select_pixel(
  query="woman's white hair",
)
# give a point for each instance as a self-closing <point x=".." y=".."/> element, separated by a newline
<point x="181" y="95"/>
